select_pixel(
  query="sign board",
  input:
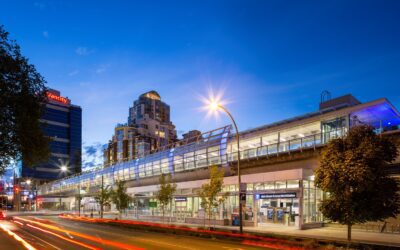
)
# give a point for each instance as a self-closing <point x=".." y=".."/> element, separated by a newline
<point x="152" y="204"/>
<point x="277" y="195"/>
<point x="180" y="199"/>
<point x="57" y="98"/>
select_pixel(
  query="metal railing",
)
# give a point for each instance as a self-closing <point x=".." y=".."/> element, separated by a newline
<point x="212" y="155"/>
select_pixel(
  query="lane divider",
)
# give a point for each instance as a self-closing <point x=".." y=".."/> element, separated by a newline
<point x="64" y="238"/>
<point x="17" y="237"/>
<point x="246" y="238"/>
<point x="81" y="235"/>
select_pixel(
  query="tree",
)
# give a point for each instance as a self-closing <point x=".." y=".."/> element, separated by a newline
<point x="352" y="171"/>
<point x="103" y="196"/>
<point x="22" y="95"/>
<point x="165" y="192"/>
<point x="120" y="198"/>
<point x="210" y="192"/>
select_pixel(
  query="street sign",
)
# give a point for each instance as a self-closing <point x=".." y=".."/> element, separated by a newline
<point x="180" y="199"/>
<point x="153" y="204"/>
<point x="277" y="195"/>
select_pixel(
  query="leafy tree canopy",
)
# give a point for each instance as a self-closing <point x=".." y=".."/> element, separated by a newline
<point x="22" y="94"/>
<point x="352" y="171"/>
<point x="119" y="196"/>
<point x="166" y="191"/>
<point x="210" y="192"/>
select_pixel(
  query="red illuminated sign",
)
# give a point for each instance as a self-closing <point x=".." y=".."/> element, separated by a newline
<point x="57" y="98"/>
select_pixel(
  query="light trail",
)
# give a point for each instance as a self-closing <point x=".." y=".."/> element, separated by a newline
<point x="17" y="237"/>
<point x="65" y="238"/>
<point x="19" y="223"/>
<point x="272" y="243"/>
<point x="84" y="236"/>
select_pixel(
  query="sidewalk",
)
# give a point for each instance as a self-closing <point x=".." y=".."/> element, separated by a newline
<point x="325" y="233"/>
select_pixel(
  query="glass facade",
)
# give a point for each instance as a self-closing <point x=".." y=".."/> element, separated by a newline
<point x="63" y="124"/>
<point x="291" y="202"/>
<point x="312" y="198"/>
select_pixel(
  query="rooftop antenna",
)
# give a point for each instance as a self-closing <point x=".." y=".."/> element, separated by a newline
<point x="325" y="96"/>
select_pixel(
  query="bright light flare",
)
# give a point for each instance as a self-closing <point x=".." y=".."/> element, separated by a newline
<point x="213" y="102"/>
<point x="64" y="168"/>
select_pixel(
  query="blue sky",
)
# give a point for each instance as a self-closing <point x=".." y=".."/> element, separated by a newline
<point x="271" y="58"/>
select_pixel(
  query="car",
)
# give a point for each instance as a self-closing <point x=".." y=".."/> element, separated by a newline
<point x="2" y="215"/>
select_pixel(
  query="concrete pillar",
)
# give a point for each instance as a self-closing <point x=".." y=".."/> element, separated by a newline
<point x="301" y="217"/>
<point x="255" y="210"/>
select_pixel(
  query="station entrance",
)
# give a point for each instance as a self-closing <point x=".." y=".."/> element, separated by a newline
<point x="279" y="209"/>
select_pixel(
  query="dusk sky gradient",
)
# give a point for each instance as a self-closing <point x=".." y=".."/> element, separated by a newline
<point x="272" y="58"/>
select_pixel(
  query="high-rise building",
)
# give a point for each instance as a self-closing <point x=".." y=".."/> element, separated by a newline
<point x="149" y="129"/>
<point x="151" y="117"/>
<point x="62" y="122"/>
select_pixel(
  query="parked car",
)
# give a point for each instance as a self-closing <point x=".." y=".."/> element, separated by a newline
<point x="2" y="215"/>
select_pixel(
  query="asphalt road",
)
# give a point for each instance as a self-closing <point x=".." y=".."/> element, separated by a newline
<point x="49" y="232"/>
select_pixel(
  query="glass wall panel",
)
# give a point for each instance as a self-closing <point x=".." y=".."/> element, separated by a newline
<point x="164" y="166"/>
<point x="149" y="170"/>
<point x="293" y="184"/>
<point x="189" y="160"/>
<point x="269" y="185"/>
<point x="213" y="155"/>
<point x="178" y="163"/>
<point x="280" y="184"/>
<point x="201" y="158"/>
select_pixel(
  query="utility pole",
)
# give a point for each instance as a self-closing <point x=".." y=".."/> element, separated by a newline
<point x="102" y="197"/>
<point x="79" y="197"/>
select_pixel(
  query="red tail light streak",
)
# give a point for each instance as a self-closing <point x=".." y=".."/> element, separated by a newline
<point x="81" y="235"/>
<point x="17" y="237"/>
<point x="64" y="238"/>
<point x="248" y="239"/>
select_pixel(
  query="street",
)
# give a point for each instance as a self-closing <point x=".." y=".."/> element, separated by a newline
<point x="51" y="232"/>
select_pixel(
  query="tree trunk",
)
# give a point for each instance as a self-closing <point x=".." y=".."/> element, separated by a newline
<point x="209" y="217"/>
<point x="101" y="211"/>
<point x="349" y="232"/>
<point x="163" y="212"/>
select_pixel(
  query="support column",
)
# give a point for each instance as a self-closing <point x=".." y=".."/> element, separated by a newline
<point x="255" y="210"/>
<point x="301" y="202"/>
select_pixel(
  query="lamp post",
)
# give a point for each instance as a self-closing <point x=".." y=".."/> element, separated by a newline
<point x="215" y="106"/>
<point x="30" y="196"/>
<point x="64" y="170"/>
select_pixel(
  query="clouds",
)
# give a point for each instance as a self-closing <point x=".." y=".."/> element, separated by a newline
<point x="83" y="51"/>
<point x="102" y="68"/>
<point x="92" y="155"/>
<point x="73" y="73"/>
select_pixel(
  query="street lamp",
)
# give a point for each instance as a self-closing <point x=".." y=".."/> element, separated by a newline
<point x="64" y="168"/>
<point x="214" y="105"/>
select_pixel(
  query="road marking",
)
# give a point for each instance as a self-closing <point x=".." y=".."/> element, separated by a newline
<point x="167" y="244"/>
<point x="16" y="236"/>
<point x="48" y="243"/>
<point x="81" y="235"/>
<point x="137" y="239"/>
<point x="64" y="238"/>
